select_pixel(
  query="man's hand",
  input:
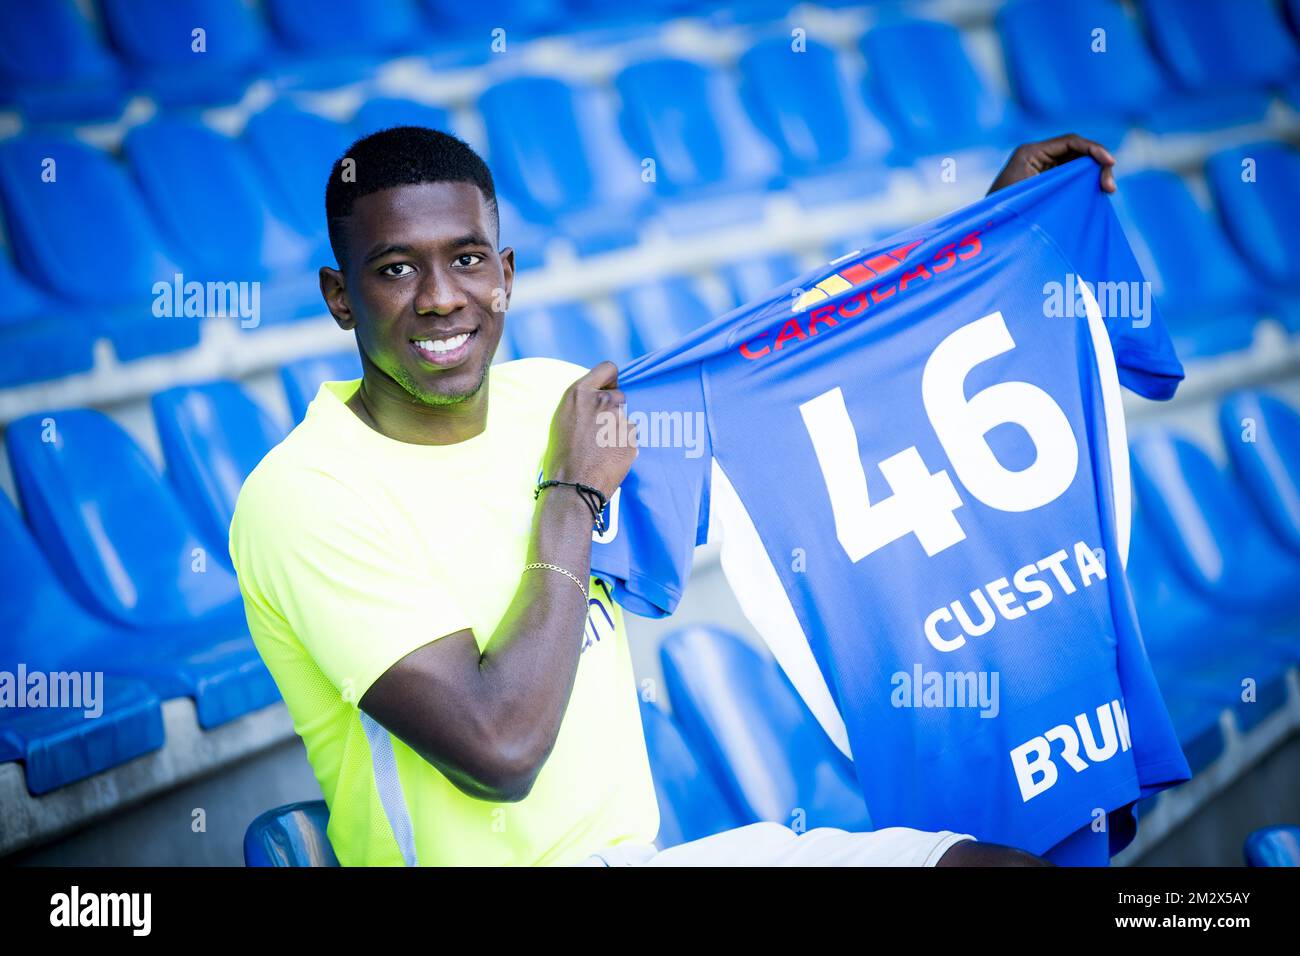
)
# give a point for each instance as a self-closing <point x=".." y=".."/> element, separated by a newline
<point x="591" y="439"/>
<point x="1030" y="159"/>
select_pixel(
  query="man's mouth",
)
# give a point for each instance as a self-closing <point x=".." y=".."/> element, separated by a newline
<point x="446" y="350"/>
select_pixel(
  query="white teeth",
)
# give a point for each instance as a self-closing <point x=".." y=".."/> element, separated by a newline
<point x="443" y="345"/>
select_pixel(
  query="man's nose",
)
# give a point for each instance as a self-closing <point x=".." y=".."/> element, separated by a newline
<point x="439" y="294"/>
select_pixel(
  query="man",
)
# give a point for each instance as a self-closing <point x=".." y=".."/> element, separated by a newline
<point x="462" y="685"/>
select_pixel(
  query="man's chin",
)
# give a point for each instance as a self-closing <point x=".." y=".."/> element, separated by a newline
<point x="451" y="393"/>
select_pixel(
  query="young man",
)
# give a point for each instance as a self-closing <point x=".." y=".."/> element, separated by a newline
<point x="462" y="685"/>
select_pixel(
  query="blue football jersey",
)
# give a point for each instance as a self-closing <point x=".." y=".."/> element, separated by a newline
<point x="917" y="461"/>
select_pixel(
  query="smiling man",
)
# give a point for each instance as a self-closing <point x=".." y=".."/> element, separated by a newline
<point x="463" y="686"/>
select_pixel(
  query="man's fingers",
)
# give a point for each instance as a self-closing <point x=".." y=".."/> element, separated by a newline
<point x="602" y="375"/>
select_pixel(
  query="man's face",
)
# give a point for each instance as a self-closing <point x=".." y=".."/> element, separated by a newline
<point x="426" y="289"/>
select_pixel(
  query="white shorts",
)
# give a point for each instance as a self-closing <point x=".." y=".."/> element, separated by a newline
<point x="772" y="844"/>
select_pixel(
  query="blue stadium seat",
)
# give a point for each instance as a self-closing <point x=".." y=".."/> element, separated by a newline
<point x="1273" y="846"/>
<point x="156" y="38"/>
<point x="53" y="65"/>
<point x="1215" y="534"/>
<point x="95" y="218"/>
<point x="42" y="629"/>
<point x="749" y="279"/>
<point x="569" y="331"/>
<point x="562" y="161"/>
<point x="212" y="435"/>
<point x="242" y="239"/>
<point x="1061" y="81"/>
<point x="302" y="379"/>
<point x="1205" y="294"/>
<point x="121" y="543"/>
<point x="60" y="745"/>
<point x="1210" y="46"/>
<point x="292" y="835"/>
<point x="660" y="313"/>
<point x="1261" y="213"/>
<point x="831" y="146"/>
<point x="690" y="804"/>
<point x="1262" y="435"/>
<point x="467" y="23"/>
<point x="331" y="43"/>
<point x="296" y="151"/>
<point x="749" y="727"/>
<point x="711" y="164"/>
<point x="924" y="86"/>
<point x="1171" y="613"/>
<point x="385" y="112"/>
<point x="34" y="340"/>
<point x="1231" y="586"/>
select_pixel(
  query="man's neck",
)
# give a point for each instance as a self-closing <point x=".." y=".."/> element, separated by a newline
<point x="390" y="410"/>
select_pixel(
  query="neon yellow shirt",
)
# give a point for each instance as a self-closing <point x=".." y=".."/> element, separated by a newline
<point x="352" y="551"/>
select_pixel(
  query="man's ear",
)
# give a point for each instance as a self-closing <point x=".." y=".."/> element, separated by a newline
<point x="508" y="270"/>
<point x="334" y="290"/>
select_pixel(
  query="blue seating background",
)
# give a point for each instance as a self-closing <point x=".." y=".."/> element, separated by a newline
<point x="657" y="162"/>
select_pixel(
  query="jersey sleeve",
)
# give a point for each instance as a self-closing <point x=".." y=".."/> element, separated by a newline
<point x="313" y="554"/>
<point x="661" y="510"/>
<point x="1068" y="205"/>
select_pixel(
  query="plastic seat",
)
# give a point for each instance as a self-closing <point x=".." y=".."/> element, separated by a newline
<point x="1198" y="658"/>
<point x="1216" y="537"/>
<point x="1273" y="846"/>
<point x="34" y="341"/>
<point x="691" y="806"/>
<point x="45" y="631"/>
<point x="831" y="146"/>
<point x="1261" y="214"/>
<point x="924" y="86"/>
<point x="97" y="219"/>
<point x="1057" y="76"/>
<point x="1262" y="436"/>
<point x="1209" y="46"/>
<point x="385" y="112"/>
<point x="570" y="332"/>
<point x="124" y="547"/>
<point x="710" y="161"/>
<point x="302" y="379"/>
<point x="292" y="835"/>
<point x="53" y="65"/>
<point x="749" y="727"/>
<point x="330" y="43"/>
<point x="660" y="313"/>
<point x="1204" y="292"/>
<point x="212" y="437"/>
<point x="60" y="745"/>
<point x="749" y="279"/>
<point x="562" y="160"/>
<point x="156" y="38"/>
<point x="243" y="239"/>
<point x="296" y="150"/>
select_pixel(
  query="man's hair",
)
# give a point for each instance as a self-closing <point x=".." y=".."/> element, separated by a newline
<point x="401" y="156"/>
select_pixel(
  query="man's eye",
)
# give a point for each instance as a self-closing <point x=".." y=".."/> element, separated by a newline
<point x="468" y="259"/>
<point x="397" y="269"/>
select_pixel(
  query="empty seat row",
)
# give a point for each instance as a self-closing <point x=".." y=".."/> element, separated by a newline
<point x="1213" y="275"/>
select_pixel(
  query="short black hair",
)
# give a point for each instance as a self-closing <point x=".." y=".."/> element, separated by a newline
<point x="402" y="156"/>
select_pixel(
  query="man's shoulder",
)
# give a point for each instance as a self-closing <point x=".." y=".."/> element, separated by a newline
<point x="298" y="476"/>
<point x="537" y="375"/>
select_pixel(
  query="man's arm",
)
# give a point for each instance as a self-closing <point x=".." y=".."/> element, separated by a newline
<point x="488" y="721"/>
<point x="1030" y="159"/>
